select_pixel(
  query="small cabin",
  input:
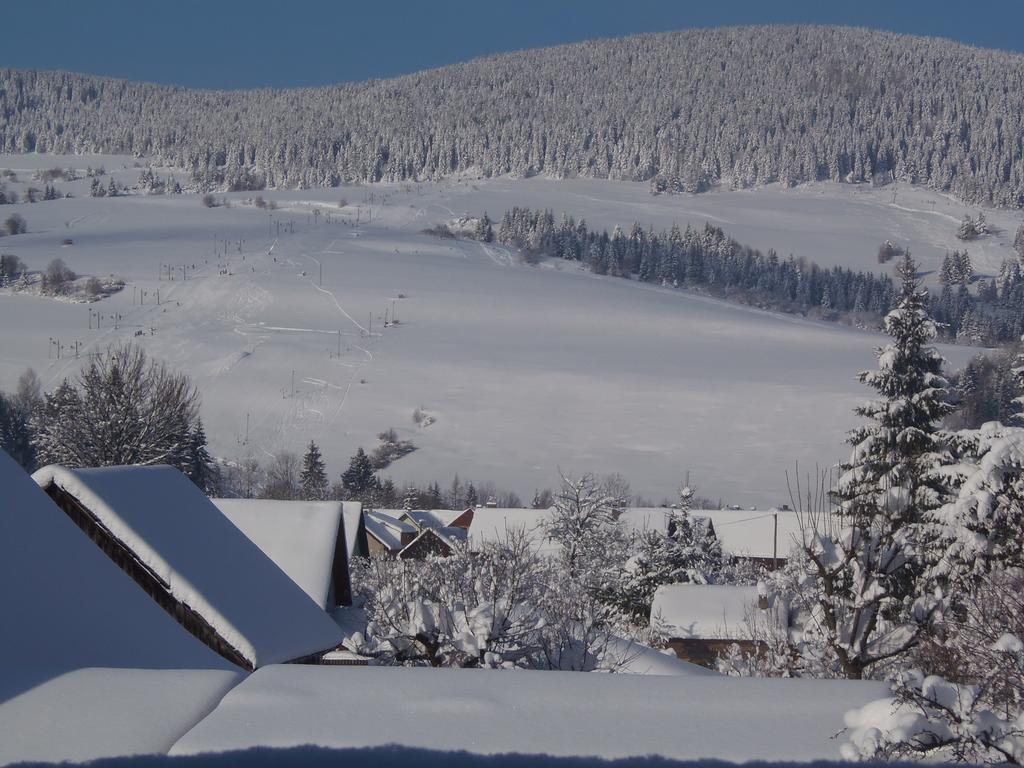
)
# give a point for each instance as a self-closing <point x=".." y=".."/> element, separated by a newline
<point x="386" y="535"/>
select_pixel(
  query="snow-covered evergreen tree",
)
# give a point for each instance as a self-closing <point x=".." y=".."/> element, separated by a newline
<point x="360" y="477"/>
<point x="201" y="468"/>
<point x="872" y="563"/>
<point x="686" y="552"/>
<point x="313" y="478"/>
<point x="410" y="498"/>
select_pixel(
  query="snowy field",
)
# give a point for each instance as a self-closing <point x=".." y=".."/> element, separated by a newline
<point x="526" y="370"/>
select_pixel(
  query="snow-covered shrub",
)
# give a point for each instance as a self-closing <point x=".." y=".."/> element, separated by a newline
<point x="975" y="715"/>
<point x="775" y="654"/>
<point x="391" y="449"/>
<point x="466" y="610"/>
<point x="688" y="552"/>
<point x="983" y="527"/>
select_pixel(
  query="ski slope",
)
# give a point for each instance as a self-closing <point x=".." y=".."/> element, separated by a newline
<point x="527" y="371"/>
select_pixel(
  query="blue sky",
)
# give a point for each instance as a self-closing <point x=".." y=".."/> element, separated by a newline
<point x="234" y="44"/>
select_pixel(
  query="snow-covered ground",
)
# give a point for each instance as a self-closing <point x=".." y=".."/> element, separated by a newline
<point x="526" y="370"/>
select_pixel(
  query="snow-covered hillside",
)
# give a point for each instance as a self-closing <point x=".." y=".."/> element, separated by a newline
<point x="526" y="370"/>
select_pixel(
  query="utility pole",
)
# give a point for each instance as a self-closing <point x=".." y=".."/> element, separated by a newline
<point x="775" y="541"/>
<point x="293" y="382"/>
<point x="321" y="273"/>
<point x="339" y="343"/>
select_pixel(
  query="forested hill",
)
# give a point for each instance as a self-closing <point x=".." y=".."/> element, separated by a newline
<point x="686" y="110"/>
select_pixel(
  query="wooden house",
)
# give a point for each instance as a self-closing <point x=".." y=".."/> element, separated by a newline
<point x="386" y="534"/>
<point x="193" y="562"/>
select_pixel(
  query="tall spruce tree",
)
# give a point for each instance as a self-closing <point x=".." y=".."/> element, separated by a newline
<point x="201" y="469"/>
<point x="873" y="562"/>
<point x="359" y="478"/>
<point x="313" y="478"/>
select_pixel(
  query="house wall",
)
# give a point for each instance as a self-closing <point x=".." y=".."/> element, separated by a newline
<point x="376" y="549"/>
<point x="705" y="652"/>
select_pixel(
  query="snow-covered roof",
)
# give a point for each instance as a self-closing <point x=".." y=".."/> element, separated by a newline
<point x="748" y="533"/>
<point x="752" y="533"/>
<point x="200" y="559"/>
<point x="66" y="605"/>
<point x="386" y="529"/>
<point x="713" y="612"/>
<point x="432" y="518"/>
<point x="491" y="524"/>
<point x="300" y="536"/>
<point x="533" y="712"/>
<point x="88" y="714"/>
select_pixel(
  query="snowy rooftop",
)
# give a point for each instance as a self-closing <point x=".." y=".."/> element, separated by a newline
<point x="713" y="612"/>
<point x="492" y="524"/>
<point x="73" y="606"/>
<point x="386" y="529"/>
<point x="430" y="518"/>
<point x="201" y="559"/>
<point x="77" y="625"/>
<point x="558" y="713"/>
<point x="748" y="533"/>
<point x="300" y="536"/>
<point x="87" y="714"/>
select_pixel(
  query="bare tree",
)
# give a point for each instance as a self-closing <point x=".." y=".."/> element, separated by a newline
<point x="282" y="477"/>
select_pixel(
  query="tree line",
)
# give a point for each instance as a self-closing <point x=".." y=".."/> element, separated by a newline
<point x="709" y="261"/>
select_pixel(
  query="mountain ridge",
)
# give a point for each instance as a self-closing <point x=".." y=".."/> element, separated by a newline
<point x="687" y="111"/>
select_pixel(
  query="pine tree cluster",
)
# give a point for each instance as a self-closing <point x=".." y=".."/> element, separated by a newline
<point x="709" y="261"/>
